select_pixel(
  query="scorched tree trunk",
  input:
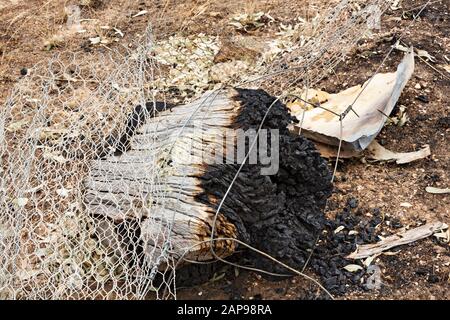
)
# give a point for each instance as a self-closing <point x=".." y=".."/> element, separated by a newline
<point x="147" y="182"/>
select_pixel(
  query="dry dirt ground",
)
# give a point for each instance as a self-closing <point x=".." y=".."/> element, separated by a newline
<point x="420" y="270"/>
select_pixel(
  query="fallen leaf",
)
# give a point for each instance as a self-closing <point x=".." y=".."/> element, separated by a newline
<point x="368" y="261"/>
<point x="35" y="189"/>
<point x="250" y="22"/>
<point x="353" y="267"/>
<point x="217" y="277"/>
<point x="391" y="253"/>
<point x="54" y="157"/>
<point x="339" y="229"/>
<point x="401" y="117"/>
<point x="24" y="275"/>
<point x="446" y="67"/>
<point x="424" y="54"/>
<point x="400" y="47"/>
<point x="32" y="100"/>
<point x="95" y="40"/>
<point x="444" y="235"/>
<point x="16" y="126"/>
<point x="395" y="19"/>
<point x="20" y="202"/>
<point x="48" y="133"/>
<point x="437" y="190"/>
<point x="395" y="5"/>
<point x="140" y="13"/>
<point x="54" y="41"/>
<point x="377" y="152"/>
<point x="119" y="32"/>
<point x="406" y="204"/>
<point x="63" y="192"/>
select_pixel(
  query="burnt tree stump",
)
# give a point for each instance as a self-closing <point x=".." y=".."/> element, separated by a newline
<point x="146" y="181"/>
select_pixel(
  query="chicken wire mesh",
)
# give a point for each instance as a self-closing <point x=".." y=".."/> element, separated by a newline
<point x="73" y="109"/>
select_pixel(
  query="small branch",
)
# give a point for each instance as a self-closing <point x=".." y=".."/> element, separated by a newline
<point x="398" y="239"/>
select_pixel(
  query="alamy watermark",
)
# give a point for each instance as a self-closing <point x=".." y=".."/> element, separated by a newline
<point x="235" y="146"/>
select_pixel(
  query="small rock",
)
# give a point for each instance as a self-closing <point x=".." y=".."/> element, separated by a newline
<point x="422" y="271"/>
<point x="443" y="122"/>
<point x="423" y="98"/>
<point x="23" y="71"/>
<point x="417" y="86"/>
<point x="432" y="278"/>
<point x="352" y="203"/>
<point x="396" y="223"/>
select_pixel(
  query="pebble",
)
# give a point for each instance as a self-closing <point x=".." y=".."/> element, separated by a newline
<point x="432" y="278"/>
<point x="353" y="203"/>
<point x="423" y="98"/>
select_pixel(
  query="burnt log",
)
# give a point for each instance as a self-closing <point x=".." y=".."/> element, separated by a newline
<point x="155" y="180"/>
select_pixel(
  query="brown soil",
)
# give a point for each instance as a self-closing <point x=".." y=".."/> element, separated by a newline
<point x="420" y="270"/>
